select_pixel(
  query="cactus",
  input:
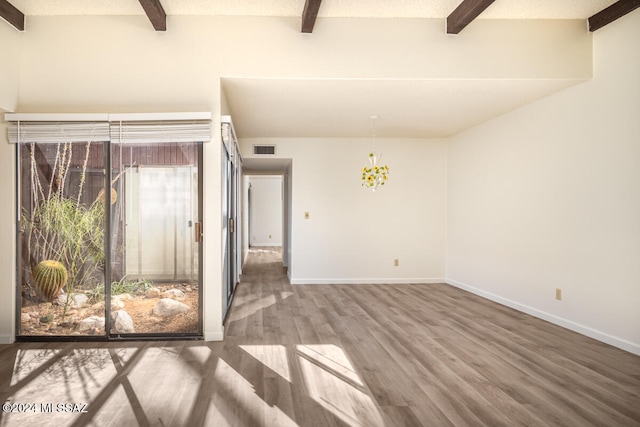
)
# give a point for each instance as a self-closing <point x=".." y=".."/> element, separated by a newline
<point x="50" y="276"/>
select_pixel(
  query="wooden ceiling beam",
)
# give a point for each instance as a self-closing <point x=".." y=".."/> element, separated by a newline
<point x="12" y="15"/>
<point x="611" y="13"/>
<point x="155" y="13"/>
<point x="466" y="12"/>
<point x="309" y="15"/>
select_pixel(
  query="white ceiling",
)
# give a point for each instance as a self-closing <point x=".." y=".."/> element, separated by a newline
<point x="343" y="107"/>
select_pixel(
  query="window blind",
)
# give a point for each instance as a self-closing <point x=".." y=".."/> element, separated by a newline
<point x="160" y="131"/>
<point x="58" y="132"/>
<point x="118" y="128"/>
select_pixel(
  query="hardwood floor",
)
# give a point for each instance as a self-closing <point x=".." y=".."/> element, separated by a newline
<point x="334" y="355"/>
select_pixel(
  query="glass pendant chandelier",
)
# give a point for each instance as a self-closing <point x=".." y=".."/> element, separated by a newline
<point x="373" y="174"/>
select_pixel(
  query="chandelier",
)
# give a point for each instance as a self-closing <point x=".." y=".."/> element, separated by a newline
<point x="373" y="174"/>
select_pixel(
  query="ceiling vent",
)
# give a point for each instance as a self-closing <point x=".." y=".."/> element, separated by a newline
<point x="264" y="150"/>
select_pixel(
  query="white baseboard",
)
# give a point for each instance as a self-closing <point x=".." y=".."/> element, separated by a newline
<point x="7" y="339"/>
<point x="369" y="281"/>
<point x="565" y="323"/>
<point x="270" y="244"/>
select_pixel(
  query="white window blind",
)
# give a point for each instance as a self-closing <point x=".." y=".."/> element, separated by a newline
<point x="229" y="138"/>
<point x="118" y="128"/>
<point x="58" y="132"/>
<point x="161" y="131"/>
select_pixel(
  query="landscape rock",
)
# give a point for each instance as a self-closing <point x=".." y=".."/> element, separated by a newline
<point x="75" y="300"/>
<point x="91" y="322"/>
<point x="176" y="294"/>
<point x="121" y="297"/>
<point x="116" y="304"/>
<point x="169" y="307"/>
<point x="121" y="322"/>
<point x="152" y="293"/>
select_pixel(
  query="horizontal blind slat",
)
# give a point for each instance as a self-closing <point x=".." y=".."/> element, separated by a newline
<point x="122" y="132"/>
<point x="150" y="132"/>
<point x="58" y="132"/>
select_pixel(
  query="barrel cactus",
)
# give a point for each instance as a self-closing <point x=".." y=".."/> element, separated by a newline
<point x="50" y="276"/>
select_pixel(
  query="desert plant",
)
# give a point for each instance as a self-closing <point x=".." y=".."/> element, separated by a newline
<point x="50" y="277"/>
<point x="63" y="230"/>
<point x="122" y="286"/>
<point x="58" y="226"/>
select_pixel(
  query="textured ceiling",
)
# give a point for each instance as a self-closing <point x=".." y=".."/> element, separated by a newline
<point x="501" y="9"/>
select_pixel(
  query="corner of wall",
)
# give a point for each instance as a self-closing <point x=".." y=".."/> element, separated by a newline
<point x="7" y="237"/>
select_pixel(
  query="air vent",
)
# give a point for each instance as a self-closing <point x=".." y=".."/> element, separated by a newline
<point x="264" y="150"/>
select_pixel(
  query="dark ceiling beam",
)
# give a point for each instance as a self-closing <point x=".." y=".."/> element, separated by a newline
<point x="309" y="15"/>
<point x="156" y="14"/>
<point x="466" y="12"/>
<point x="13" y="16"/>
<point x="611" y="13"/>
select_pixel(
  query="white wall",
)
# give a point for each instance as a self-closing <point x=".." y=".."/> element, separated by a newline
<point x="548" y="197"/>
<point x="353" y="235"/>
<point x="266" y="211"/>
<point x="7" y="238"/>
<point x="10" y="42"/>
<point x="287" y="215"/>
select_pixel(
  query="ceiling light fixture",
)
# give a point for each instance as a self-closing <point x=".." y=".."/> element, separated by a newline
<point x="374" y="175"/>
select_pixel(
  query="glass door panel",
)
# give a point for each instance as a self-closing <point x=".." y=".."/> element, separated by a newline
<point x="155" y="228"/>
<point x="61" y="239"/>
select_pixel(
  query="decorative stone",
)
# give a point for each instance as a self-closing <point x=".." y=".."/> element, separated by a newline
<point x="75" y="300"/>
<point x="152" y="293"/>
<point x="121" y="322"/>
<point x="176" y="294"/>
<point x="116" y="304"/>
<point x="25" y="317"/>
<point x="122" y="297"/>
<point x="168" y="307"/>
<point x="91" y="322"/>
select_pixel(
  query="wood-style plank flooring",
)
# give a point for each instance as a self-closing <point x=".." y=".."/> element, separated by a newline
<point x="334" y="355"/>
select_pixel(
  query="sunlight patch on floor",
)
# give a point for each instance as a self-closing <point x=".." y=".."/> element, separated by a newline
<point x="45" y="376"/>
<point x="250" y="308"/>
<point x="331" y="380"/>
<point x="236" y="399"/>
<point x="273" y="357"/>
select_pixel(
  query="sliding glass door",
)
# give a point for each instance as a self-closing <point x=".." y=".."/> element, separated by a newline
<point x="61" y="240"/>
<point x="115" y="254"/>
<point x="156" y="238"/>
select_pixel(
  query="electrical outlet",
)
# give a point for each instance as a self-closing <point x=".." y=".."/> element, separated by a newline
<point x="558" y="294"/>
<point x="396" y="262"/>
